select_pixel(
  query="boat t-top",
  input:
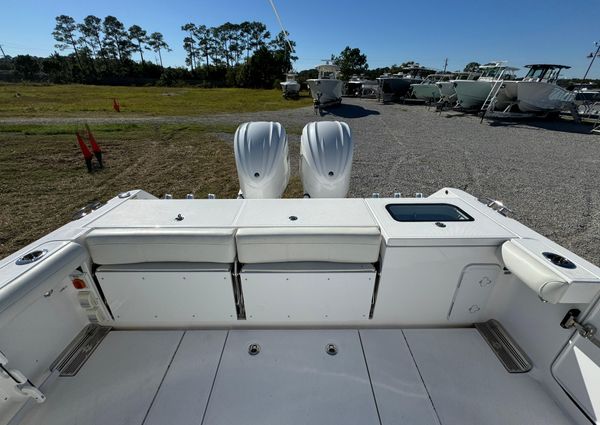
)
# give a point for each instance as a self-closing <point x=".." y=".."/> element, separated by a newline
<point x="538" y="92"/>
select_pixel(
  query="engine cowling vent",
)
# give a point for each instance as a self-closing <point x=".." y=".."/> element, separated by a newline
<point x="262" y="161"/>
<point x="326" y="150"/>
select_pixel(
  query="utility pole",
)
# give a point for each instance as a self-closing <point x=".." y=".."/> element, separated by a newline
<point x="2" y="50"/>
<point x="593" y="56"/>
<point x="445" y="65"/>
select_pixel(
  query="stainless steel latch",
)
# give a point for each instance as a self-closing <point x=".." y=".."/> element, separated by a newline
<point x="586" y="331"/>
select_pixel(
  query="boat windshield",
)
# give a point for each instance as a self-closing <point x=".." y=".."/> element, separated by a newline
<point x="542" y="73"/>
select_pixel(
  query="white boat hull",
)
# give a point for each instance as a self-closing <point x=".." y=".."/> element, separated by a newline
<point x="290" y="87"/>
<point x="325" y="90"/>
<point x="472" y="94"/>
<point x="446" y="88"/>
<point x="543" y="97"/>
<point x="426" y="91"/>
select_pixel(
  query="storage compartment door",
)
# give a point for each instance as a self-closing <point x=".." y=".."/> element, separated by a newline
<point x="305" y="296"/>
<point x="577" y="368"/>
<point x="170" y="298"/>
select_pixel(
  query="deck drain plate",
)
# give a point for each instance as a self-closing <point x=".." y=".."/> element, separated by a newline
<point x="75" y="356"/>
<point x="508" y="352"/>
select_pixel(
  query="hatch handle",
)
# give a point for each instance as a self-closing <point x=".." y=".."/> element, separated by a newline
<point x="586" y="331"/>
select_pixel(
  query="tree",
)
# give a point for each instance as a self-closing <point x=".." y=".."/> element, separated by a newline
<point x="65" y="35"/>
<point x="351" y="61"/>
<point x="157" y="43"/>
<point x="90" y="30"/>
<point x="205" y="44"/>
<point x="189" y="44"/>
<point x="258" y="35"/>
<point x="471" y="67"/>
<point x="27" y="66"/>
<point x="116" y="40"/>
<point x="282" y="53"/>
<point x="138" y="37"/>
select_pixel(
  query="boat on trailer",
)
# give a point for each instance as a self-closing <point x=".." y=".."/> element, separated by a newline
<point x="326" y="89"/>
<point x="290" y="87"/>
<point x="539" y="92"/>
<point x="393" y="87"/>
<point x="323" y="309"/>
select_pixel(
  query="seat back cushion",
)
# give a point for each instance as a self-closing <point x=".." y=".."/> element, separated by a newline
<point x="331" y="244"/>
<point x="127" y="246"/>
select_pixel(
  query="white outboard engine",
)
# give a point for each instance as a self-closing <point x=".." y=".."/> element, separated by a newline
<point x="326" y="159"/>
<point x="261" y="157"/>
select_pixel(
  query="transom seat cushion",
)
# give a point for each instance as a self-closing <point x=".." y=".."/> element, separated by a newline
<point x="127" y="246"/>
<point x="331" y="244"/>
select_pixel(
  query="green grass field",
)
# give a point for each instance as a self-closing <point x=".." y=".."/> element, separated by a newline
<point x="35" y="100"/>
<point x="43" y="179"/>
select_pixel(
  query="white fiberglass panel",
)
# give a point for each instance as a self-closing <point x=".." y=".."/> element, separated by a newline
<point x="168" y="298"/>
<point x="418" y="284"/>
<point x="473" y="292"/>
<point x="166" y="212"/>
<point x="305" y="213"/>
<point x="481" y="230"/>
<point x="319" y="297"/>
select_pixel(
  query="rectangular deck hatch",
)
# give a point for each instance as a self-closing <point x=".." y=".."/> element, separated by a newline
<point x="292" y="377"/>
<point x="427" y="212"/>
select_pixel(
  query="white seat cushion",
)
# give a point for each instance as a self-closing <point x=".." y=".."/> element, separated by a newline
<point x="331" y="244"/>
<point x="127" y="246"/>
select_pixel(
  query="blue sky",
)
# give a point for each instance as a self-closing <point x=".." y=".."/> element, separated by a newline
<point x="525" y="31"/>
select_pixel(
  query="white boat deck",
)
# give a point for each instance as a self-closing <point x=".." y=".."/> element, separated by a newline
<point x="391" y="376"/>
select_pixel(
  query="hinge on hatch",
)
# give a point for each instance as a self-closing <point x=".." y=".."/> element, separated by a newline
<point x="585" y="331"/>
<point x="14" y="384"/>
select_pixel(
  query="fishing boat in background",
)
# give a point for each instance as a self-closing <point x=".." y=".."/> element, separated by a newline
<point x="430" y="88"/>
<point x="396" y="86"/>
<point x="472" y="94"/>
<point x="290" y="87"/>
<point x="539" y="92"/>
<point x="326" y="89"/>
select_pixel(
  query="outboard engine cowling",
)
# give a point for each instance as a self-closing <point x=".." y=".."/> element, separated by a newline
<point x="261" y="157"/>
<point x="326" y="150"/>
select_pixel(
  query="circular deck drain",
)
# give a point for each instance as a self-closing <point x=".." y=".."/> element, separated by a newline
<point x="331" y="349"/>
<point x="253" y="349"/>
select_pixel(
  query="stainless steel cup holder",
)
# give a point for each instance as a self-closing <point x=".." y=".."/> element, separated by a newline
<point x="32" y="256"/>
<point x="559" y="260"/>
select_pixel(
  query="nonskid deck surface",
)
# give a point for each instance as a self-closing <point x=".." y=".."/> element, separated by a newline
<point x="391" y="376"/>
